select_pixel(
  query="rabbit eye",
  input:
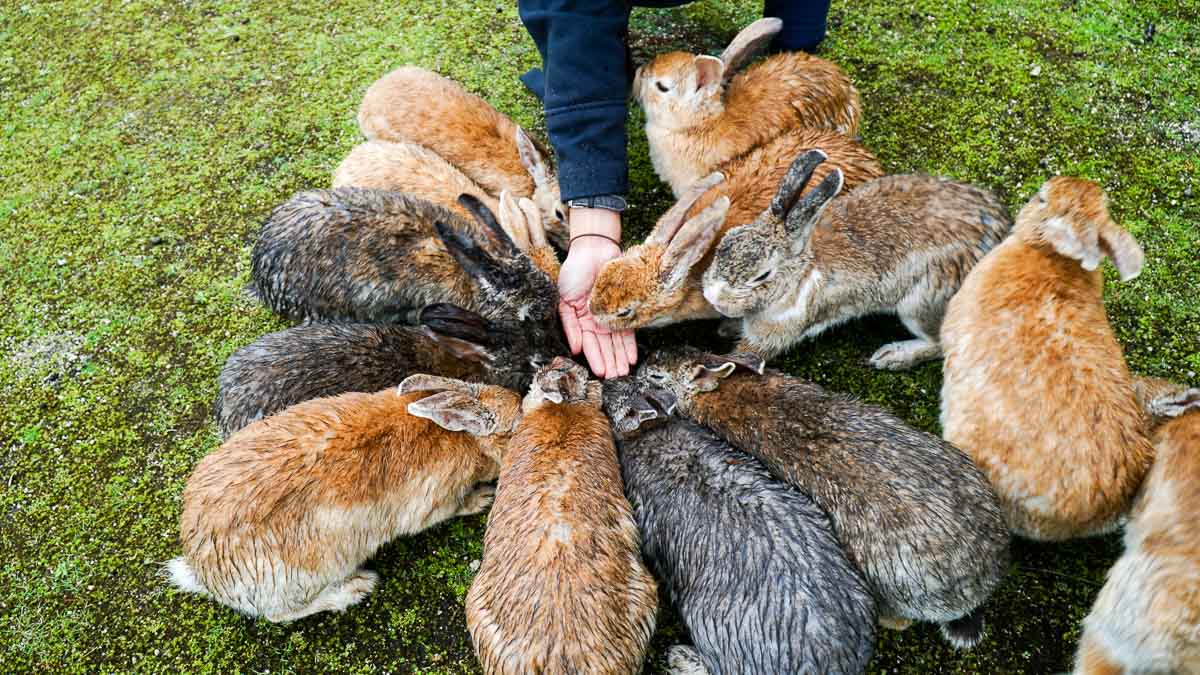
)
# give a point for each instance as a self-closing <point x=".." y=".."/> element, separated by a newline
<point x="661" y="87"/>
<point x="559" y="214"/>
<point x="762" y="278"/>
<point x="657" y="378"/>
<point x="625" y="313"/>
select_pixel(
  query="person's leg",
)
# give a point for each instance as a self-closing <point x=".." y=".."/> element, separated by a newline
<point x="803" y="23"/>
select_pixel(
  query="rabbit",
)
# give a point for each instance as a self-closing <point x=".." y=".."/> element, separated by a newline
<point x="411" y="169"/>
<point x="897" y="244"/>
<point x="1150" y="392"/>
<point x="911" y="511"/>
<point x="355" y="254"/>
<point x="279" y="520"/>
<point x="562" y="587"/>
<point x="700" y="113"/>
<point x="414" y="105"/>
<point x="658" y="282"/>
<point x="751" y="564"/>
<point x="317" y="360"/>
<point x="1035" y="386"/>
<point x="1147" y="617"/>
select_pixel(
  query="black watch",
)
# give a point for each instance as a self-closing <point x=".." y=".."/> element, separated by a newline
<point x="610" y="202"/>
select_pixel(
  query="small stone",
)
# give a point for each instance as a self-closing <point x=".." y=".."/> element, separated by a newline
<point x="474" y="565"/>
<point x="1036" y="70"/>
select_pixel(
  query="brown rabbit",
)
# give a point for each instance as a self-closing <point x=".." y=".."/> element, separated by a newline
<point x="562" y="588"/>
<point x="414" y="105"/>
<point x="695" y="123"/>
<point x="279" y="520"/>
<point x="1036" y="388"/>
<point x="658" y="282"/>
<point x="1147" y="617"/>
<point x="411" y="169"/>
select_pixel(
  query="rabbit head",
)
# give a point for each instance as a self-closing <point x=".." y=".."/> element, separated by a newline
<point x="679" y="90"/>
<point x="562" y="381"/>
<point x="521" y="297"/>
<point x="650" y="278"/>
<point x="546" y="196"/>
<point x="632" y="406"/>
<point x="479" y="409"/>
<point x="754" y="263"/>
<point x="1070" y="216"/>
<point x="676" y="375"/>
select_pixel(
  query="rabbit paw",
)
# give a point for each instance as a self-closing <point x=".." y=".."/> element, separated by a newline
<point x="478" y="501"/>
<point x="904" y="354"/>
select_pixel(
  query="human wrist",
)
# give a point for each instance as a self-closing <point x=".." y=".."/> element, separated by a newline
<point x="593" y="226"/>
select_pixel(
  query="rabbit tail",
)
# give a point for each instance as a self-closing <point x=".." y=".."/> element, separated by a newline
<point x="181" y="574"/>
<point x="966" y="631"/>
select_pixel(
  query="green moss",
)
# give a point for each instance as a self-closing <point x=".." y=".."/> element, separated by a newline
<point x="143" y="142"/>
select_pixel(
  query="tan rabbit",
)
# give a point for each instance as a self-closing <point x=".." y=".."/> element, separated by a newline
<point x="412" y="169"/>
<point x="659" y="282"/>
<point x="414" y="105"/>
<point x="898" y="244"/>
<point x="1147" y="617"/>
<point x="1036" y="388"/>
<point x="278" y="521"/>
<point x="694" y="122"/>
<point x="562" y="588"/>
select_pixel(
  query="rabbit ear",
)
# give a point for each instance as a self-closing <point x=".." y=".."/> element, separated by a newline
<point x="708" y="378"/>
<point x="804" y="216"/>
<point x="455" y="411"/>
<point x="460" y="348"/>
<point x="485" y="217"/>
<point x="692" y="242"/>
<point x="452" y="321"/>
<point x="672" y="220"/>
<point x="533" y="159"/>
<point x="740" y="360"/>
<point x="794" y="182"/>
<point x="477" y="262"/>
<point x="749" y="43"/>
<point x="512" y="220"/>
<point x="709" y="70"/>
<point x="664" y="399"/>
<point x="422" y="382"/>
<point x="1175" y="404"/>
<point x="562" y="380"/>
<point x="1122" y="249"/>
<point x="533" y="222"/>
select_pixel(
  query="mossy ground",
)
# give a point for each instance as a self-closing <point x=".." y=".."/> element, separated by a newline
<point x="143" y="142"/>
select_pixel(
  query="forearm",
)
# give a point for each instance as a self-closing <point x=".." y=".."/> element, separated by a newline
<point x="583" y="49"/>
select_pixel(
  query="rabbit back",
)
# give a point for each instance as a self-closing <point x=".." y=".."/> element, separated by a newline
<point x="912" y="512"/>
<point x="296" y="502"/>
<point x="412" y="169"/>
<point x="357" y="254"/>
<point x="316" y="360"/>
<point x="414" y="105"/>
<point x="751" y="564"/>
<point x="815" y="93"/>
<point x="562" y="587"/>
<point x="1034" y="371"/>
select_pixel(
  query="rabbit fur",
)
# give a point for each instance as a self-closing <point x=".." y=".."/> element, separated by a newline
<point x="911" y="511"/>
<point x="659" y="281"/>
<point x="562" y="587"/>
<point x="750" y="563"/>
<point x="1035" y="385"/>
<point x="279" y="520"/>
<point x="414" y="105"/>
<point x="897" y="244"/>
<point x="701" y="113"/>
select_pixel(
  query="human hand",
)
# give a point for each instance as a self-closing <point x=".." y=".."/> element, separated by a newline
<point x="609" y="354"/>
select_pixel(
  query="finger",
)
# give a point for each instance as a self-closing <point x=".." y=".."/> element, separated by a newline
<point x="591" y="350"/>
<point x="630" y="340"/>
<point x="570" y="324"/>
<point x="610" y="360"/>
<point x="619" y="355"/>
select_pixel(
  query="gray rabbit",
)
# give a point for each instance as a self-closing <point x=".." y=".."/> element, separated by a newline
<point x="751" y="563"/>
<point x="913" y="512"/>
